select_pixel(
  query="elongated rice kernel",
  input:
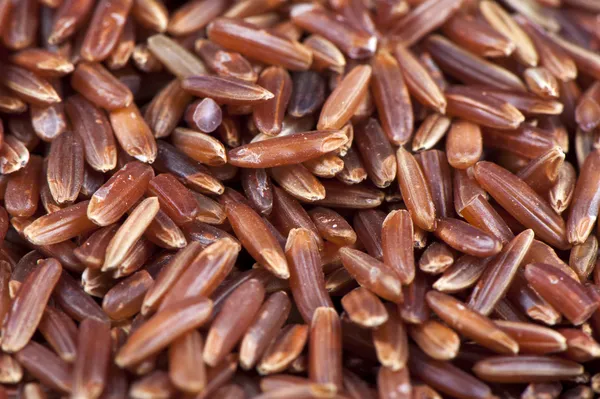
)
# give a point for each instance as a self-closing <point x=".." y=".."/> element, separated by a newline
<point x="226" y="330"/>
<point x="526" y="368"/>
<point x="344" y="100"/>
<point x="259" y="45"/>
<point x="391" y="341"/>
<point x="480" y="328"/>
<point x="91" y="366"/>
<point x="325" y="349"/>
<point x="119" y="193"/>
<point x="415" y="190"/>
<point x="271" y="317"/>
<point x="28" y="306"/>
<point x="186" y="315"/>
<point x="498" y="275"/>
<point x="545" y="279"/>
<point x="97" y="85"/>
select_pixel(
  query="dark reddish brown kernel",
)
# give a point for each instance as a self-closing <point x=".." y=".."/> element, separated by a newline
<point x="279" y="151"/>
<point x="28" y="306"/>
<point x="96" y="84"/>
<point x="306" y="277"/>
<point x="119" y="193"/>
<point x="106" y="25"/>
<point x="566" y="294"/>
<point x="415" y="190"/>
<point x="392" y="98"/>
<point x="466" y="238"/>
<point x="524" y="204"/>
<point x="21" y="197"/>
<point x="259" y="45"/>
<point x="174" y="198"/>
<point x="92" y="125"/>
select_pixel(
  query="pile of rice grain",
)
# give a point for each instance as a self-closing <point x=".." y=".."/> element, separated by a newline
<point x="278" y="199"/>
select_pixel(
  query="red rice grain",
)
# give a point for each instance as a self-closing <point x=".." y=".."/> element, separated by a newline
<point x="270" y="199"/>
